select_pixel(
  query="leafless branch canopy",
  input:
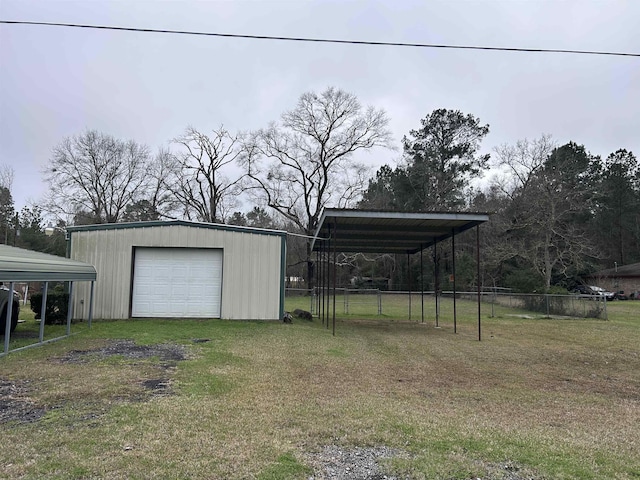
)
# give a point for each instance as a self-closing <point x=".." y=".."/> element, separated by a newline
<point x="203" y="187"/>
<point x="306" y="163"/>
<point x="7" y="175"/>
<point x="96" y="175"/>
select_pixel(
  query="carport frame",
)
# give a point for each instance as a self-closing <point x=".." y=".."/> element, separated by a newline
<point x="379" y="231"/>
<point x="18" y="264"/>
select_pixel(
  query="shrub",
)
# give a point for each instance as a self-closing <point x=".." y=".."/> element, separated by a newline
<point x="57" y="307"/>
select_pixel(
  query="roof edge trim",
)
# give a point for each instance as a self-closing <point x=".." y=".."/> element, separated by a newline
<point x="167" y="223"/>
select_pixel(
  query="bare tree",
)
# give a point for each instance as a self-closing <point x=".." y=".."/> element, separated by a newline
<point x="306" y="163"/>
<point x="522" y="162"/>
<point x="163" y="172"/>
<point x="7" y="212"/>
<point x="550" y="190"/>
<point x="96" y="176"/>
<point x="7" y="175"/>
<point x="203" y="187"/>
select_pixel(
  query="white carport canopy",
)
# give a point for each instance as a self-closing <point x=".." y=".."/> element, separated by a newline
<point x="20" y="265"/>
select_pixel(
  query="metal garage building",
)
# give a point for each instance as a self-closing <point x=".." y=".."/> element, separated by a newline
<point x="181" y="269"/>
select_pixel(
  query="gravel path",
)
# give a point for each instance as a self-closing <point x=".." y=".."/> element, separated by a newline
<point x="335" y="463"/>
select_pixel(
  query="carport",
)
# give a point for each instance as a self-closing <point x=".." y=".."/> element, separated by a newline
<point x="371" y="231"/>
<point x="20" y="265"/>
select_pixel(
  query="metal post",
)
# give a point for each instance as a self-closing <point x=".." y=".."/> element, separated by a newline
<point x="421" y="285"/>
<point x="409" y="281"/>
<point x="70" y="308"/>
<point x="91" y="303"/>
<point x="318" y="263"/>
<point x="7" y="320"/>
<point x="328" y="278"/>
<point x="321" y="284"/>
<point x="436" y="267"/>
<point x="546" y="298"/>
<point x="335" y="274"/>
<point x="345" y="302"/>
<point x="43" y="310"/>
<point x="478" y="273"/>
<point x="453" y="266"/>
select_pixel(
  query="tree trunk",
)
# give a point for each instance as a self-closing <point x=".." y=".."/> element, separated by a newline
<point x="310" y="280"/>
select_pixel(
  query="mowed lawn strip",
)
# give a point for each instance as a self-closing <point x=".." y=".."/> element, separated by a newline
<point x="551" y="398"/>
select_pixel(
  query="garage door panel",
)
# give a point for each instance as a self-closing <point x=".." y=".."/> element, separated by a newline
<point x="177" y="282"/>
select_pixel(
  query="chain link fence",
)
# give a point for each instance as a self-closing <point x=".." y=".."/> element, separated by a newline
<point x="413" y="305"/>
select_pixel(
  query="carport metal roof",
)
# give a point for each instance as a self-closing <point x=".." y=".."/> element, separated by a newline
<point x="20" y="265"/>
<point x="376" y="231"/>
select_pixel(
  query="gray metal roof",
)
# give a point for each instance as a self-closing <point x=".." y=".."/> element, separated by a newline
<point x="20" y="265"/>
<point x="631" y="270"/>
<point x="369" y="231"/>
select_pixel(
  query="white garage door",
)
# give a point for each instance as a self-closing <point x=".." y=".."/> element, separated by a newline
<point x="177" y="282"/>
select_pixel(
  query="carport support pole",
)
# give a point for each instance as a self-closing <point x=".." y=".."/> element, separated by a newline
<point x="43" y="310"/>
<point x="91" y="303"/>
<point x="317" y="272"/>
<point x="436" y="266"/>
<point x="409" y="281"/>
<point x="421" y="286"/>
<point x="327" y="278"/>
<point x="335" y="274"/>
<point x="325" y="286"/>
<point x="320" y="284"/>
<point x="69" y="308"/>
<point x="7" y="320"/>
<point x="453" y="266"/>
<point x="478" y="273"/>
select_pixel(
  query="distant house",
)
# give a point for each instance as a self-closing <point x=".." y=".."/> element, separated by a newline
<point x="625" y="278"/>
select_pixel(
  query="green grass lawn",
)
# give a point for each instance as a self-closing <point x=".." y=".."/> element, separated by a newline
<point x="28" y="330"/>
<point x="554" y="398"/>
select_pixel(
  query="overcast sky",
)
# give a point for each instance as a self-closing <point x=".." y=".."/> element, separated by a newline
<point x="57" y="82"/>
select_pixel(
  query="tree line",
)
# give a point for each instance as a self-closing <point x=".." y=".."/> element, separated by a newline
<point x="557" y="211"/>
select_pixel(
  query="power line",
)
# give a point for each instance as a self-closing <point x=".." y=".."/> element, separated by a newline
<point x="321" y="40"/>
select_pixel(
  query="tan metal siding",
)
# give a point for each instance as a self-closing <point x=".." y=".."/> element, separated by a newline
<point x="250" y="271"/>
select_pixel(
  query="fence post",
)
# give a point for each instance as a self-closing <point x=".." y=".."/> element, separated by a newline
<point x="379" y="303"/>
<point x="346" y="301"/>
<point x="493" y="302"/>
<point x="546" y="297"/>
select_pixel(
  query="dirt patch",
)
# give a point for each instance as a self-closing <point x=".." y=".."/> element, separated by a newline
<point x="158" y="386"/>
<point x="168" y="353"/>
<point x="15" y="404"/>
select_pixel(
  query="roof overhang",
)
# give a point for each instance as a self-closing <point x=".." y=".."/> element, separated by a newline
<point x="20" y="265"/>
<point x="370" y="231"/>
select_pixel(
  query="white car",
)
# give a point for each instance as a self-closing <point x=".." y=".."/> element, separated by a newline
<point x="602" y="292"/>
